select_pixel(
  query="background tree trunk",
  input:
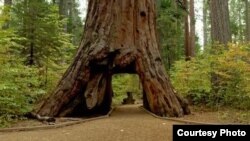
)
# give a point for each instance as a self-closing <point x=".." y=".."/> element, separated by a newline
<point x="63" y="11"/>
<point x="187" y="32"/>
<point x="192" y="29"/>
<point x="54" y="1"/>
<point x="205" y="39"/>
<point x="220" y="29"/>
<point x="247" y="20"/>
<point x="120" y="36"/>
<point x="240" y="21"/>
<point x="7" y="2"/>
<point x="220" y="33"/>
<point x="63" y="7"/>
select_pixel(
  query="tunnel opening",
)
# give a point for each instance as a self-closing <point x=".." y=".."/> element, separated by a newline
<point x="127" y="89"/>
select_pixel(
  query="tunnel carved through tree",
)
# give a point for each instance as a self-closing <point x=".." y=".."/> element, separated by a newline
<point x="119" y="37"/>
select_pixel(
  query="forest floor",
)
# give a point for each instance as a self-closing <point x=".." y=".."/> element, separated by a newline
<point x="220" y="115"/>
<point x="203" y="114"/>
<point x="126" y="123"/>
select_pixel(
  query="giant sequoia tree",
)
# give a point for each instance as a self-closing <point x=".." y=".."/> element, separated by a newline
<point x="119" y="36"/>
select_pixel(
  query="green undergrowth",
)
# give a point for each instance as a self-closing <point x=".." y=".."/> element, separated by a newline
<point x="20" y="87"/>
<point x="231" y="66"/>
<point x="21" y="83"/>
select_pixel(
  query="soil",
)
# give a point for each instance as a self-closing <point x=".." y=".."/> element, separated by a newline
<point x="199" y="114"/>
<point x="223" y="115"/>
<point x="126" y="123"/>
<point x="33" y="122"/>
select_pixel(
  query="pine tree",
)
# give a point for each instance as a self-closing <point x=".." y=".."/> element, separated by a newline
<point x="171" y="37"/>
<point x="38" y="22"/>
<point x="68" y="10"/>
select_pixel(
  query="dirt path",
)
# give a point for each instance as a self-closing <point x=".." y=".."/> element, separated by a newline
<point x="127" y="123"/>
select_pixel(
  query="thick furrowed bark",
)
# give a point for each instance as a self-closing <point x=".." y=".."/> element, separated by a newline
<point x="120" y="36"/>
<point x="161" y="98"/>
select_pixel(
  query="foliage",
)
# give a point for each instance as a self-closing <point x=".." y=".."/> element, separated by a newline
<point x="74" y="23"/>
<point x="45" y="40"/>
<point x="192" y="78"/>
<point x="232" y="67"/>
<point x="170" y="27"/>
<point x="22" y="85"/>
<point x="19" y="88"/>
<point x="123" y="83"/>
<point x="14" y="81"/>
<point x="237" y="17"/>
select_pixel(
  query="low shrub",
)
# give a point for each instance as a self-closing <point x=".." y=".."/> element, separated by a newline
<point x="231" y="69"/>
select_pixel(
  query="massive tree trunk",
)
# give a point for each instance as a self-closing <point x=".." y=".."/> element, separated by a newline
<point x="120" y="36"/>
<point x="220" y="29"/>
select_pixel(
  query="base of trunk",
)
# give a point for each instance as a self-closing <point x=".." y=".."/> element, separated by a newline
<point x="119" y="37"/>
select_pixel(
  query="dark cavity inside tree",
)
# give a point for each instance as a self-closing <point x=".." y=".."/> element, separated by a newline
<point x="119" y="37"/>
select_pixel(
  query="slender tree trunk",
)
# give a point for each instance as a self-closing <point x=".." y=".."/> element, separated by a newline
<point x="31" y="34"/>
<point x="187" y="33"/>
<point x="220" y="33"/>
<point x="70" y="16"/>
<point x="54" y="1"/>
<point x="192" y="29"/>
<point x="158" y="3"/>
<point x="176" y="48"/>
<point x="239" y="13"/>
<point x="63" y="7"/>
<point x="220" y="29"/>
<point x="120" y="36"/>
<point x="31" y="57"/>
<point x="7" y="5"/>
<point x="31" y="60"/>
<point x="63" y="11"/>
<point x="247" y="20"/>
<point x="7" y="2"/>
<point x="72" y="19"/>
<point x="205" y="22"/>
